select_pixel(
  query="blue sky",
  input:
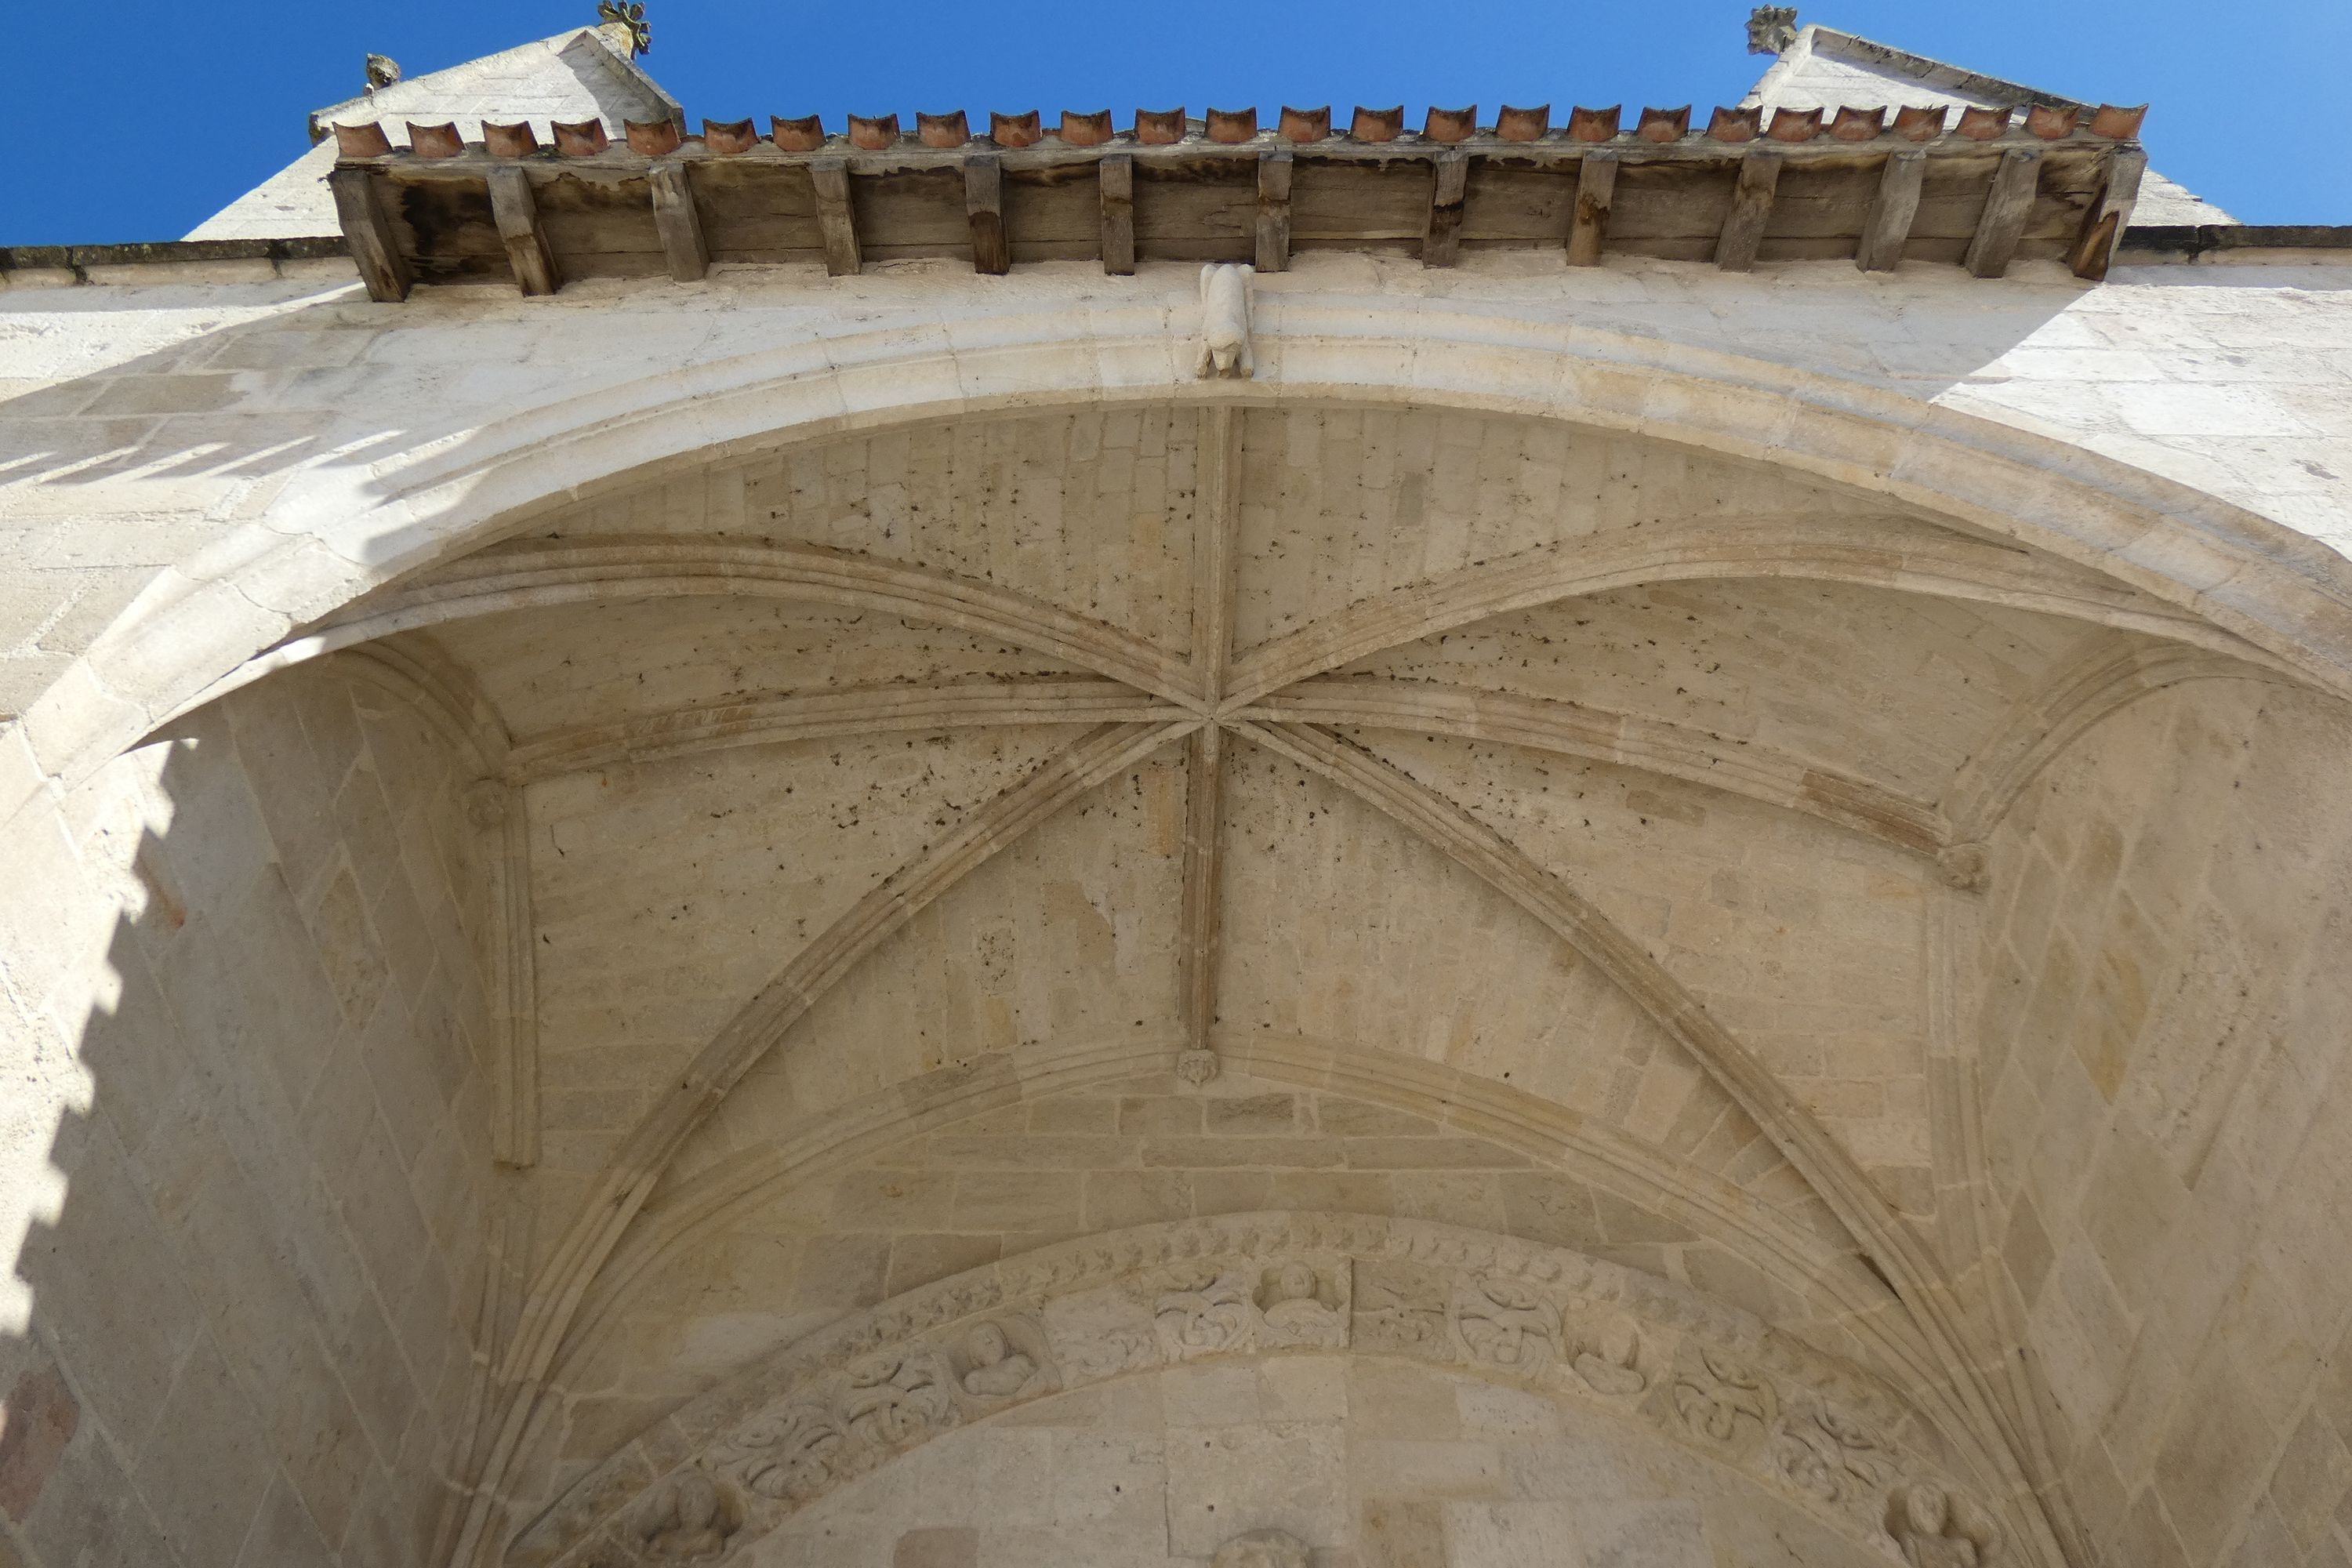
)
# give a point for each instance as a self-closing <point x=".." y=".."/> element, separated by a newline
<point x="133" y="119"/>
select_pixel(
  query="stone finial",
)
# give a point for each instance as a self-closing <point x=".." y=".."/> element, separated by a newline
<point x="627" y="17"/>
<point x="1225" y="321"/>
<point x="383" y="70"/>
<point x="1771" y="30"/>
<point x="1261" y="1549"/>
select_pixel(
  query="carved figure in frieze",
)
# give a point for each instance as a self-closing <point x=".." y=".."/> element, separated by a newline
<point x="1225" y="321"/>
<point x="894" y="1398"/>
<point x="1261" y="1549"/>
<point x="1720" y="1399"/>
<point x="1605" y="1359"/>
<point x="685" y="1519"/>
<point x="995" y="1368"/>
<point x="790" y="1456"/>
<point x="1207" y="1313"/>
<point x="1506" y="1324"/>
<point x="1299" y="1307"/>
<point x="1937" y="1530"/>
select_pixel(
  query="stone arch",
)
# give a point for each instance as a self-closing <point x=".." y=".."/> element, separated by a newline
<point x="335" y="532"/>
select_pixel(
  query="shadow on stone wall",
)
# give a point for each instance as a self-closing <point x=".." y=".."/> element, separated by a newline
<point x="253" y="1275"/>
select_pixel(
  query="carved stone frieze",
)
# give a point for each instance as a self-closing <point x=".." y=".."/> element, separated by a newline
<point x="1721" y="1400"/>
<point x="1303" y="1304"/>
<point x="1607" y="1355"/>
<point x="1205" y="1311"/>
<point x="1507" y="1324"/>
<point x="1937" y="1529"/>
<point x="729" y="1468"/>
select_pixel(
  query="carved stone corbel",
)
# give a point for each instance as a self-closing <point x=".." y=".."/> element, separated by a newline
<point x="1225" y="321"/>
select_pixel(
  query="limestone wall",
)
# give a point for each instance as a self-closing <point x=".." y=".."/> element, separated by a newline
<point x="240" y="1328"/>
<point x="2164" y="1044"/>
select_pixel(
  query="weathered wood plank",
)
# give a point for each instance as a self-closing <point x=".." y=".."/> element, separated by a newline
<point x="2003" y="222"/>
<point x="1441" y="244"/>
<point x="1889" y="225"/>
<point x="1116" y="173"/>
<point x="680" y="225"/>
<point x="1751" y="209"/>
<point x="365" y="229"/>
<point x="835" y="217"/>
<point x="2109" y="215"/>
<point x="1596" y="189"/>
<point x="984" y="206"/>
<point x="1274" y="171"/>
<point x="526" y="242"/>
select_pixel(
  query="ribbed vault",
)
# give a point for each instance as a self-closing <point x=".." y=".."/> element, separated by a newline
<point x="1123" y="740"/>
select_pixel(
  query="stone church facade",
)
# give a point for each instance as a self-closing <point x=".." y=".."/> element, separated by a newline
<point x="1489" y="838"/>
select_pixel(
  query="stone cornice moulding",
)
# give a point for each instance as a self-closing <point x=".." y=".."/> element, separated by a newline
<point x="338" y="527"/>
<point x="850" y="1398"/>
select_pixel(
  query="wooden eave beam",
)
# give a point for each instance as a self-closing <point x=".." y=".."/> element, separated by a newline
<point x="1274" y="171"/>
<point x="2104" y="224"/>
<point x="836" y="219"/>
<point x="1888" y="228"/>
<point x="1596" y="188"/>
<point x="2002" y="223"/>
<point x="516" y="212"/>
<point x="1116" y="174"/>
<point x="369" y="233"/>
<point x="984" y="208"/>
<point x="1750" y="209"/>
<point x="679" y="224"/>
<point x="1441" y="244"/>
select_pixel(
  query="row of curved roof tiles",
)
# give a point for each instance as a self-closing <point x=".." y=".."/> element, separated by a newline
<point x="1230" y="126"/>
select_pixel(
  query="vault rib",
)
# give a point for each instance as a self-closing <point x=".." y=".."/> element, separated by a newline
<point x="1626" y="739"/>
<point x="811" y="716"/>
<point x="1213" y="555"/>
<point x="630" y="1174"/>
<point x="446" y="694"/>
<point x="1822" y="549"/>
<point x="2110" y="674"/>
<point x="540" y="573"/>
<point x="1954" y="1381"/>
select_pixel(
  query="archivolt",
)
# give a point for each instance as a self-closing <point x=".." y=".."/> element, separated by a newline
<point x="337" y="530"/>
<point x="788" y="1430"/>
